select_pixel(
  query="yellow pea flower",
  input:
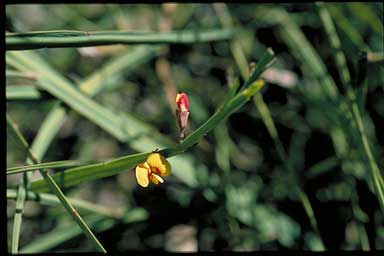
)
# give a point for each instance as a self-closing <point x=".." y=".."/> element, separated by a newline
<point x="153" y="169"/>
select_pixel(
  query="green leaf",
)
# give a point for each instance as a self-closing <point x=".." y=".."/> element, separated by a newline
<point x="53" y="186"/>
<point x="47" y="165"/>
<point x="22" y="92"/>
<point x="67" y="38"/>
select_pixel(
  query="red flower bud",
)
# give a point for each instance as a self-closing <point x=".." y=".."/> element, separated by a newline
<point x="182" y="101"/>
<point x="182" y="112"/>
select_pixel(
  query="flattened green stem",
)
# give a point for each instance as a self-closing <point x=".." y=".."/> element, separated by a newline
<point x="63" y="38"/>
<point x="47" y="165"/>
<point x="81" y="174"/>
<point x="52" y="200"/>
<point x="53" y="186"/>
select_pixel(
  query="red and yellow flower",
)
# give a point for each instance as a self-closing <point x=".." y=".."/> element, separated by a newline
<point x="153" y="169"/>
<point x="182" y="102"/>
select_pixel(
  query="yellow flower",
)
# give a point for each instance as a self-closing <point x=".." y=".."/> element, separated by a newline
<point x="154" y="168"/>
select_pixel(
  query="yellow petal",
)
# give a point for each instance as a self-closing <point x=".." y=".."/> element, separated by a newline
<point x="153" y="179"/>
<point x="155" y="160"/>
<point x="142" y="175"/>
<point x="156" y="177"/>
<point x="178" y="97"/>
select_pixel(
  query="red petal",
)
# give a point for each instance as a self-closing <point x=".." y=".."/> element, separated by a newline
<point x="182" y="99"/>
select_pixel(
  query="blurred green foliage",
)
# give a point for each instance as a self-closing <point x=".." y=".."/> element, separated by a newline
<point x="232" y="191"/>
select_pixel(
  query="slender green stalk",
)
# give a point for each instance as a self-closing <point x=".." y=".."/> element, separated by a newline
<point x="351" y="100"/>
<point x="78" y="175"/>
<point x="47" y="165"/>
<point x="268" y="121"/>
<point x="346" y="27"/>
<point x="53" y="186"/>
<point x="336" y="45"/>
<point x="122" y="126"/>
<point x="241" y="60"/>
<point x="48" y="130"/>
<point x="313" y="65"/>
<point x="63" y="89"/>
<point x="20" y="199"/>
<point x="52" y="200"/>
<point x="63" y="38"/>
<point x="22" y="92"/>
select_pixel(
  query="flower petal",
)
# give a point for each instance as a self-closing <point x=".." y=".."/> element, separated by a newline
<point x="182" y="101"/>
<point x="142" y="175"/>
<point x="157" y="161"/>
<point x="153" y="179"/>
<point x="156" y="177"/>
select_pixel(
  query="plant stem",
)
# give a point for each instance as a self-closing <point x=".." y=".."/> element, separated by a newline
<point x="68" y="38"/>
<point x="47" y="165"/>
<point x="50" y="199"/>
<point x="53" y="186"/>
<point x="241" y="60"/>
<point x="351" y="101"/>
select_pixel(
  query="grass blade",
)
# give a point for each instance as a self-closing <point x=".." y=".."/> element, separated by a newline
<point x="48" y="130"/>
<point x="346" y="79"/>
<point x="350" y="31"/>
<point x="262" y="64"/>
<point x="65" y="91"/>
<point x="75" y="176"/>
<point x="21" y="195"/>
<point x="57" y="39"/>
<point x="241" y="61"/>
<point x="61" y="234"/>
<point x="22" y="92"/>
<point x="47" y="165"/>
<point x="52" y="200"/>
<point x="53" y="186"/>
<point x="93" y="84"/>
